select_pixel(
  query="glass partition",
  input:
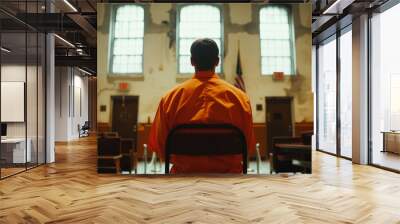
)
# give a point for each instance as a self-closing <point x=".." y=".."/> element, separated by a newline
<point x="15" y="151"/>
<point x="22" y="93"/>
<point x="385" y="89"/>
<point x="41" y="96"/>
<point x="346" y="94"/>
<point x="31" y="97"/>
<point x="327" y="96"/>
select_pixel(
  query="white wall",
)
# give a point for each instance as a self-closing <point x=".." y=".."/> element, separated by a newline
<point x="71" y="94"/>
<point x="160" y="66"/>
<point x="12" y="73"/>
<point x="33" y="127"/>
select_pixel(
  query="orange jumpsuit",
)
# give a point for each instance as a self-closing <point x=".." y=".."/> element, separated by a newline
<point x="203" y="99"/>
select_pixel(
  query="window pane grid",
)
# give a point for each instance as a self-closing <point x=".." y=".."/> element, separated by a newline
<point x="126" y="64"/>
<point x="275" y="48"/>
<point x="276" y="41"/>
<point x="127" y="52"/>
<point x="127" y="46"/>
<point x="129" y="13"/>
<point x="129" y="29"/>
<point x="200" y="13"/>
<point x="273" y="64"/>
<point x="274" y="31"/>
<point x="197" y="21"/>
<point x="200" y="30"/>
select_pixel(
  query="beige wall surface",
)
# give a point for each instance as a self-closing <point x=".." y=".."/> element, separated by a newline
<point x="241" y="28"/>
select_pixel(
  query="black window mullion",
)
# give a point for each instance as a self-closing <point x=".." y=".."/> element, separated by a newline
<point x="338" y="100"/>
<point x="369" y="89"/>
<point x="37" y="90"/>
<point x="26" y="86"/>
<point x="317" y="97"/>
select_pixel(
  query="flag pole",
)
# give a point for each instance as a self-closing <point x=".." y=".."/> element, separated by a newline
<point x="239" y="82"/>
<point x="238" y="48"/>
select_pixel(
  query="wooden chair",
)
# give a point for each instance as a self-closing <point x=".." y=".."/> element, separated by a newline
<point x="109" y="149"/>
<point x="206" y="139"/>
<point x="287" y="149"/>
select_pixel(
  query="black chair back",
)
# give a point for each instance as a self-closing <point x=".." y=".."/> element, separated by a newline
<point x="108" y="146"/>
<point x="206" y="139"/>
<point x="86" y="125"/>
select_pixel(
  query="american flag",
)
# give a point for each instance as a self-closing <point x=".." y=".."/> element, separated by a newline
<point x="239" y="82"/>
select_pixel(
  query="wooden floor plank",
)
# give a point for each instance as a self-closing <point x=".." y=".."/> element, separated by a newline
<point x="70" y="191"/>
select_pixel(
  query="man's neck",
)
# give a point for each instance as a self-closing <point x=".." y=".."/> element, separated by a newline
<point x="211" y="71"/>
<point x="204" y="74"/>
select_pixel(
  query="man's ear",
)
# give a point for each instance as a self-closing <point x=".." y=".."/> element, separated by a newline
<point x="217" y="62"/>
<point x="191" y="61"/>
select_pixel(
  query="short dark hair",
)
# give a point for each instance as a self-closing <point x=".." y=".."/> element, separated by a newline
<point x="204" y="54"/>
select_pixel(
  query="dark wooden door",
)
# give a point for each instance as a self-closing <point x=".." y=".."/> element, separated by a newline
<point x="124" y="122"/>
<point x="278" y="118"/>
<point x="125" y="116"/>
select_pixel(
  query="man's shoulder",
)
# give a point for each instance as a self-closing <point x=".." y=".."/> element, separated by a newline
<point x="191" y="84"/>
<point x="178" y="89"/>
<point x="231" y="88"/>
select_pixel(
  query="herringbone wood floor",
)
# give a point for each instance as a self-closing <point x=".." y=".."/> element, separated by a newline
<point x="70" y="191"/>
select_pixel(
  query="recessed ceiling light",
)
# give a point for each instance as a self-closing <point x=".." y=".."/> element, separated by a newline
<point x="337" y="7"/>
<point x="70" y="5"/>
<point x="64" y="40"/>
<point x="5" y="50"/>
<point x="84" y="71"/>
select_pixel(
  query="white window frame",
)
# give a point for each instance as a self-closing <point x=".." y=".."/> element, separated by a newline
<point x="112" y="39"/>
<point x="221" y="50"/>
<point x="291" y="36"/>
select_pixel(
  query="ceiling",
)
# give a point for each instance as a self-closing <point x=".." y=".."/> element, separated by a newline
<point x="331" y="15"/>
<point x="74" y="22"/>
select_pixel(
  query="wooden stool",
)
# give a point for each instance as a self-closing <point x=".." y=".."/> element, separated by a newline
<point x="116" y="159"/>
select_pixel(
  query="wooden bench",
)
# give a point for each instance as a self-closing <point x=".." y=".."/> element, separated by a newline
<point x="117" y="161"/>
<point x="109" y="148"/>
<point x="291" y="154"/>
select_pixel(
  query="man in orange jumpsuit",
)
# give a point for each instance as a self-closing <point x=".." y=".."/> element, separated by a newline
<point x="203" y="99"/>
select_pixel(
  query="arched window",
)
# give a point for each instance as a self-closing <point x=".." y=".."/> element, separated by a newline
<point x="197" y="21"/>
<point x="277" y="50"/>
<point x="127" y="40"/>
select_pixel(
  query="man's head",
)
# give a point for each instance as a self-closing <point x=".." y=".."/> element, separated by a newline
<point x="204" y="54"/>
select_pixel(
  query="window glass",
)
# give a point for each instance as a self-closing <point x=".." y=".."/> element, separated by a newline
<point x="276" y="40"/>
<point x="197" y="21"/>
<point x="346" y="94"/>
<point x="327" y="97"/>
<point x="127" y="46"/>
<point x="385" y="89"/>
